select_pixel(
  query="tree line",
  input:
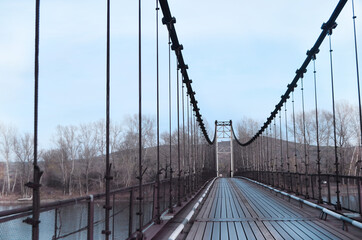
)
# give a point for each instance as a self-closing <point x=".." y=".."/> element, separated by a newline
<point x="304" y="152"/>
<point x="74" y="164"/>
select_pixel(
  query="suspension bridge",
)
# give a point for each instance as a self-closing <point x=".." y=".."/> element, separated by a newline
<point x="216" y="184"/>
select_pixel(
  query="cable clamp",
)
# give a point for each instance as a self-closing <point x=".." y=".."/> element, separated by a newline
<point x="106" y="232"/>
<point x="177" y="48"/>
<point x="31" y="221"/>
<point x="301" y="72"/>
<point x="183" y="67"/>
<point x="168" y="22"/>
<point x="107" y="207"/>
<point x="329" y="27"/>
<point x="187" y="81"/>
<point x="33" y="185"/>
<point x="313" y="52"/>
<point x="107" y="177"/>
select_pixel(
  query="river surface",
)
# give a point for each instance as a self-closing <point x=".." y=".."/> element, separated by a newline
<point x="69" y="220"/>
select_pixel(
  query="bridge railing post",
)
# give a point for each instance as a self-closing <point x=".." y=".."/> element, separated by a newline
<point x="155" y="203"/>
<point x="312" y="184"/>
<point x="329" y="189"/>
<point x="90" y="218"/>
<point x="130" y="218"/>
<point x="300" y="184"/>
<point x="359" y="195"/>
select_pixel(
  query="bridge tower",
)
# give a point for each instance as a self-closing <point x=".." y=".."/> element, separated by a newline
<point x="224" y="131"/>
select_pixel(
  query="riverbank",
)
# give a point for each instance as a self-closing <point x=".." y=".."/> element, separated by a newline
<point x="47" y="195"/>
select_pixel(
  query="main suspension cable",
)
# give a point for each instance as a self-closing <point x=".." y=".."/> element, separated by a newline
<point x="325" y="28"/>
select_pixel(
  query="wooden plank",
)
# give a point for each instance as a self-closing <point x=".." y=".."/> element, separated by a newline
<point x="236" y="209"/>
<point x="232" y="231"/>
<point x="224" y="231"/>
<point x="279" y="229"/>
<point x="240" y="230"/>
<point x="208" y="231"/>
<point x="238" y="202"/>
<point x="200" y="231"/>
<point x="290" y="231"/>
<point x="211" y="214"/>
<point x="266" y="202"/>
<point x="206" y="208"/>
<point x="224" y="206"/>
<point x="319" y="230"/>
<point x="218" y="206"/>
<point x="312" y="233"/>
<point x="244" y="204"/>
<point x="229" y="202"/>
<point x="240" y="208"/>
<point x="336" y="232"/>
<point x="295" y="228"/>
<point x="241" y="189"/>
<point x="248" y="232"/>
<point x="233" y="202"/>
<point x="193" y="230"/>
<point x="273" y="231"/>
<point x="256" y="231"/>
<point x="265" y="206"/>
<point x="216" y="231"/>
<point x="264" y="230"/>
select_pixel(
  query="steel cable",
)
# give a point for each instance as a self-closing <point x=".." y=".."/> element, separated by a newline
<point x="304" y="142"/>
<point x="338" y="203"/>
<point x="320" y="200"/>
<point x="358" y="85"/>
<point x="158" y="213"/>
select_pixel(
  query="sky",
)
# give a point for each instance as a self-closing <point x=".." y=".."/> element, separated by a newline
<point x="241" y="56"/>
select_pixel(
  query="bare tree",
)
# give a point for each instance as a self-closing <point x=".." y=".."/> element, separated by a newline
<point x="344" y="118"/>
<point x="7" y="134"/>
<point x="87" y="154"/>
<point x="66" y="141"/>
<point x="128" y="155"/>
<point x="23" y="149"/>
<point x="100" y="135"/>
<point x="355" y="165"/>
<point x="116" y="132"/>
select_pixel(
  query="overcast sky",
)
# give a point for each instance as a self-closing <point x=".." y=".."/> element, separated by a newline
<point x="241" y="56"/>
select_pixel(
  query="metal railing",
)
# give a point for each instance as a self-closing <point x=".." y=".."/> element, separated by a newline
<point x="83" y="217"/>
<point x="350" y="187"/>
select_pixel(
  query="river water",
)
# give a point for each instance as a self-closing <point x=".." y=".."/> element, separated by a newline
<point x="69" y="220"/>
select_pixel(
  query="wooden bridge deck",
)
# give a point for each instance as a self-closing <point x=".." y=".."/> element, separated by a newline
<point x="238" y="209"/>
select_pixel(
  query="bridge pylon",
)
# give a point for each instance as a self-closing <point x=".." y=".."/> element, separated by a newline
<point x="224" y="131"/>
